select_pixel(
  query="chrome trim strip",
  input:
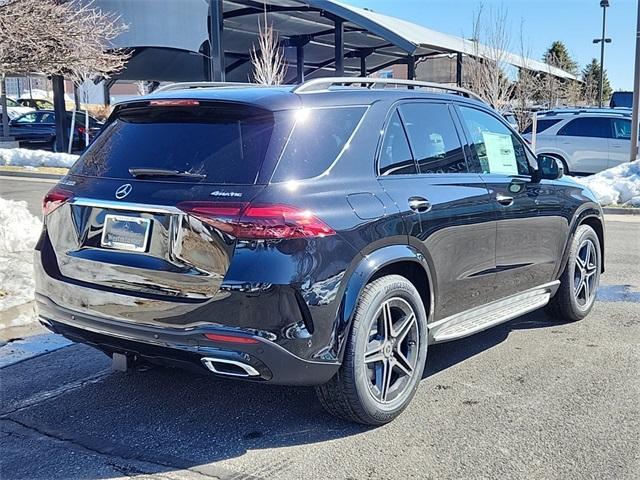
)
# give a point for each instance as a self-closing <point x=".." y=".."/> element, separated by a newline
<point x="210" y="361"/>
<point x="134" y="207"/>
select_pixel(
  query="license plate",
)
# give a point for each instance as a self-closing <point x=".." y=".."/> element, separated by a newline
<point x="125" y="233"/>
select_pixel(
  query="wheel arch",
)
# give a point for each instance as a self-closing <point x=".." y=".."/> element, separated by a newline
<point x="393" y="259"/>
<point x="590" y="215"/>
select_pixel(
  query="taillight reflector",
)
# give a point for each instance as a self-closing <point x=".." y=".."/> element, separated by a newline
<point x="217" y="337"/>
<point x="54" y="199"/>
<point x="258" y="222"/>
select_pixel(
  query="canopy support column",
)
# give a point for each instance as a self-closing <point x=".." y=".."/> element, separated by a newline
<point x="363" y="66"/>
<point x="339" y="47"/>
<point x="216" y="49"/>
<point x="411" y="67"/>
<point x="62" y="132"/>
<point x="459" y="69"/>
<point x="300" y="63"/>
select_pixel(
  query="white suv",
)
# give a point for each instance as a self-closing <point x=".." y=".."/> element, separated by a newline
<point x="586" y="141"/>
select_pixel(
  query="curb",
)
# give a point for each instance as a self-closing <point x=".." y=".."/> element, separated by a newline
<point x="50" y="176"/>
<point x="620" y="211"/>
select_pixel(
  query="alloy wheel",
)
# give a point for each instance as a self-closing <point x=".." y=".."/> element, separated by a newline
<point x="585" y="273"/>
<point x="391" y="352"/>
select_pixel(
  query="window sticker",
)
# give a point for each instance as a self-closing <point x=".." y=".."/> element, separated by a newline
<point x="500" y="153"/>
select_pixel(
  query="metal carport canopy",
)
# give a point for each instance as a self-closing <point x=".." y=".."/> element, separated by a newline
<point x="381" y="39"/>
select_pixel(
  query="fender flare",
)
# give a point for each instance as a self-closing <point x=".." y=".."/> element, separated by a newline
<point x="367" y="267"/>
<point x="589" y="210"/>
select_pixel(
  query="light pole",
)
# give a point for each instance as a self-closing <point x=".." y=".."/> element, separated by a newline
<point x="604" y="4"/>
<point x="635" y="120"/>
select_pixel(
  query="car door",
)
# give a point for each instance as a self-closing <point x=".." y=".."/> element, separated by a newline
<point x="620" y="143"/>
<point x="530" y="231"/>
<point x="586" y="141"/>
<point x="422" y="166"/>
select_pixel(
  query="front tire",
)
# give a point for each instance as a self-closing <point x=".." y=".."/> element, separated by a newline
<point x="384" y="356"/>
<point x="579" y="281"/>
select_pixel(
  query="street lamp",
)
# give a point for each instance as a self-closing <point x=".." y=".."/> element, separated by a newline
<point x="604" y="4"/>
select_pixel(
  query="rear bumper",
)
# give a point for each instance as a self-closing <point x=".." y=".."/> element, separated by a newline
<point x="184" y="347"/>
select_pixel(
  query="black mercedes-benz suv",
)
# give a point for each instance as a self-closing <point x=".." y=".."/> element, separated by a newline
<point x="323" y="234"/>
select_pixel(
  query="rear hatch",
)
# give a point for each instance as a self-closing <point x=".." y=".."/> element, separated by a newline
<point x="149" y="210"/>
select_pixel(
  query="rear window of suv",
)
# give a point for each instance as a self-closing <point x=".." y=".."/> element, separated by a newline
<point x="227" y="145"/>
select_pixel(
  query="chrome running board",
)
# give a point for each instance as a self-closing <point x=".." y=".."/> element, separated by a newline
<point x="475" y="320"/>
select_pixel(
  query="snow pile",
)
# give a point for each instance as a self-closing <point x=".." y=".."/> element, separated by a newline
<point x="21" y="157"/>
<point x="616" y="186"/>
<point x="19" y="231"/>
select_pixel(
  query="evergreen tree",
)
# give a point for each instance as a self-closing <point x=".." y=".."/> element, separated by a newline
<point x="591" y="83"/>
<point x="558" y="56"/>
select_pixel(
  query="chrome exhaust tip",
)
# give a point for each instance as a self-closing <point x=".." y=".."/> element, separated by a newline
<point x="230" y="368"/>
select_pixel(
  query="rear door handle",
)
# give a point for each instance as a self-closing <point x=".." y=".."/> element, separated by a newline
<point x="504" y="200"/>
<point x="419" y="204"/>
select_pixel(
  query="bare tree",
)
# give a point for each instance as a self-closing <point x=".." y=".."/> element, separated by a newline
<point x="59" y="38"/>
<point x="486" y="71"/>
<point x="525" y="88"/>
<point x="269" y="66"/>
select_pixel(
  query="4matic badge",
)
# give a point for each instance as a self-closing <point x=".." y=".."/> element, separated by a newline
<point x="218" y="193"/>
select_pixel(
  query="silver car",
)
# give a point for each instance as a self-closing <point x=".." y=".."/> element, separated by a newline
<point x="585" y="141"/>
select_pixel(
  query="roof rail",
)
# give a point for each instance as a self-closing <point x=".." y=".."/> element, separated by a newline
<point x="578" y="111"/>
<point x="319" y="84"/>
<point x="188" y="85"/>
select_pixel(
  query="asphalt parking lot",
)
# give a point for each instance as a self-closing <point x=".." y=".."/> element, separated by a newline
<point x="532" y="398"/>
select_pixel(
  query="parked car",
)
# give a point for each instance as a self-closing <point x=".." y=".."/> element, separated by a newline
<point x="621" y="100"/>
<point x="14" y="109"/>
<point x="38" y="129"/>
<point x="586" y="141"/>
<point x="323" y="234"/>
<point x="36" y="103"/>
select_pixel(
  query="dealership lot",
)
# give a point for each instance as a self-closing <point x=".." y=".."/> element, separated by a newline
<point x="528" y="399"/>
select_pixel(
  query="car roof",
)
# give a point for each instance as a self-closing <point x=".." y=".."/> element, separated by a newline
<point x="284" y="98"/>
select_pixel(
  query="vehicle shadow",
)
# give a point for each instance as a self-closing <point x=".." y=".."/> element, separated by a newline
<point x="172" y="419"/>
<point x="445" y="355"/>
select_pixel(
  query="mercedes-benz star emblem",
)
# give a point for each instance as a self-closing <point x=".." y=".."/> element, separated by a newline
<point x="123" y="191"/>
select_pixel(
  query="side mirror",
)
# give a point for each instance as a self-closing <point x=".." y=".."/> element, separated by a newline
<point x="549" y="168"/>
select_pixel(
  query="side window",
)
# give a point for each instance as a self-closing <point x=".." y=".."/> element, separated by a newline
<point x="622" y="129"/>
<point x="598" y="127"/>
<point x="47" y="117"/>
<point x="318" y="138"/>
<point x="395" y="155"/>
<point x="27" y="118"/>
<point x="498" y="149"/>
<point x="433" y="138"/>
<point x="543" y="124"/>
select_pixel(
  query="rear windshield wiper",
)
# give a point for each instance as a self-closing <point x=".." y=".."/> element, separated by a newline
<point x="162" y="172"/>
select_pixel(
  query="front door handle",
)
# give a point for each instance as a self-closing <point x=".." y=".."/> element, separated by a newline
<point x="505" y="200"/>
<point x="419" y="204"/>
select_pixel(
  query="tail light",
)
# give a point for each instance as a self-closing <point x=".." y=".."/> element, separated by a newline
<point x="258" y="222"/>
<point x="54" y="199"/>
<point x="81" y="130"/>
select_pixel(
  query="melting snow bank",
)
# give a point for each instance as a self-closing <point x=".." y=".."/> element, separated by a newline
<point x="616" y="186"/>
<point x="19" y="231"/>
<point x="21" y="157"/>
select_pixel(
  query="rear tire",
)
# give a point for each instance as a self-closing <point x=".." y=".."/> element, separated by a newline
<point x="384" y="356"/>
<point x="579" y="282"/>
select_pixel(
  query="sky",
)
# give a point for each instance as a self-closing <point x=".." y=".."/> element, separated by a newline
<point x="575" y="22"/>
